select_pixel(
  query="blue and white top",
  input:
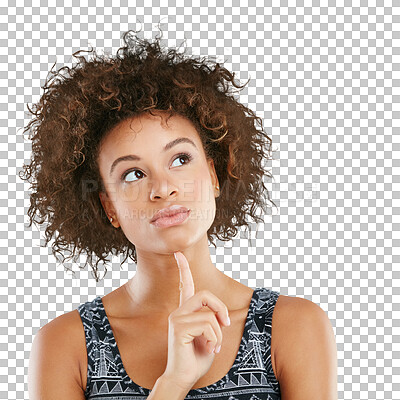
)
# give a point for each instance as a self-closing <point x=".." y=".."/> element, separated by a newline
<point x="250" y="378"/>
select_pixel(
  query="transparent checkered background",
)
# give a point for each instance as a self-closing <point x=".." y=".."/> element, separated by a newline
<point x="324" y="79"/>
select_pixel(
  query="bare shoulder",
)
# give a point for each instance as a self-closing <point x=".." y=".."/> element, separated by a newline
<point x="70" y="320"/>
<point x="294" y="318"/>
<point x="289" y="306"/>
<point x="67" y="333"/>
<point x="59" y="346"/>
<point x="305" y="348"/>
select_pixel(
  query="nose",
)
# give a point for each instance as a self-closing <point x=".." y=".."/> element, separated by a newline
<point x="163" y="190"/>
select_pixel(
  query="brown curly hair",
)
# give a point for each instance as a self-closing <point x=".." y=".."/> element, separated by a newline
<point x="81" y="104"/>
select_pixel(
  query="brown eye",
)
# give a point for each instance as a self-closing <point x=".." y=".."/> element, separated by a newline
<point x="183" y="156"/>
<point x="128" y="172"/>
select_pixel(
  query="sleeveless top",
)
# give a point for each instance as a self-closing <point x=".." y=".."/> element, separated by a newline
<point x="251" y="376"/>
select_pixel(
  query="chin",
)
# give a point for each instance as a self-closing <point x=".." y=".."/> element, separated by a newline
<point x="177" y="242"/>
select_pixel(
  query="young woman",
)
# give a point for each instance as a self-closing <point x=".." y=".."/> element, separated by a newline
<point x="148" y="153"/>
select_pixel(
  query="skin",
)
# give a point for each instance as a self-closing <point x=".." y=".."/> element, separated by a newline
<point x="303" y="349"/>
<point x="304" y="371"/>
<point x="164" y="180"/>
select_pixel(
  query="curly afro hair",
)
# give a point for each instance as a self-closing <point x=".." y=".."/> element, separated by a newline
<point x="81" y="104"/>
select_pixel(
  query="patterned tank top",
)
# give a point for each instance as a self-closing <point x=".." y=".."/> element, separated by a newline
<point x="250" y="377"/>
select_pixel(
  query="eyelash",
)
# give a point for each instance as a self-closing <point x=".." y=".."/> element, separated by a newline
<point x="180" y="155"/>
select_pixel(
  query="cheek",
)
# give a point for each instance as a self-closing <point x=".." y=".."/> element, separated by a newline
<point x="200" y="192"/>
<point x="122" y="195"/>
<point x="133" y="211"/>
<point x="135" y="223"/>
<point x="204" y="202"/>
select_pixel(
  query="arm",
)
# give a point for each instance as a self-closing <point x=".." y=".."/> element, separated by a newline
<point x="307" y="363"/>
<point x="165" y="389"/>
<point x="53" y="371"/>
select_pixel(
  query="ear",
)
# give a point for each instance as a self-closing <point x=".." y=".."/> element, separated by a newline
<point x="213" y="174"/>
<point x="107" y="205"/>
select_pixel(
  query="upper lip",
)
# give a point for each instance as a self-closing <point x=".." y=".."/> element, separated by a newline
<point x="168" y="211"/>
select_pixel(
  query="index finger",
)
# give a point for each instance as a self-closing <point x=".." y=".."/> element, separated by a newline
<point x="185" y="276"/>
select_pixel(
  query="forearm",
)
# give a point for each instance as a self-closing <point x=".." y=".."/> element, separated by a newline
<point x="165" y="389"/>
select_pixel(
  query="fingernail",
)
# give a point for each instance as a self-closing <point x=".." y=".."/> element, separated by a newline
<point x="176" y="259"/>
<point x="229" y="321"/>
<point x="217" y="349"/>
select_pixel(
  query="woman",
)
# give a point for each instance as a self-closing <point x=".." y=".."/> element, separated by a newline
<point x="148" y="153"/>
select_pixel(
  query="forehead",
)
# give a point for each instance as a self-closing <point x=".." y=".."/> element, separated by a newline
<point x="144" y="136"/>
<point x="148" y="128"/>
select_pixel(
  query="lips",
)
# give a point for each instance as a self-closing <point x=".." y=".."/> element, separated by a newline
<point x="169" y="211"/>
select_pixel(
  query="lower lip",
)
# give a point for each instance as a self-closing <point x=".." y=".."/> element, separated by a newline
<point x="173" y="220"/>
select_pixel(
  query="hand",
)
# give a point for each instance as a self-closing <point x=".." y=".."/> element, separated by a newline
<point x="193" y="335"/>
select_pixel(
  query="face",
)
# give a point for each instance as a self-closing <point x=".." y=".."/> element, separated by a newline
<point x="160" y="171"/>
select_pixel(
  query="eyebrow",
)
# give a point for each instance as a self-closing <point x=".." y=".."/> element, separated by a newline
<point x="133" y="157"/>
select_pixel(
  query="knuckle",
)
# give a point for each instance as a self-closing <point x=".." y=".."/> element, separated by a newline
<point x="203" y="292"/>
<point x="172" y="316"/>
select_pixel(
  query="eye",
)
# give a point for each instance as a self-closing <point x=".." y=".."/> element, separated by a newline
<point x="128" y="172"/>
<point x="184" y="156"/>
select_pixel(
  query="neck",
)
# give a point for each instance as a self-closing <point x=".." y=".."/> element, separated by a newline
<point x="155" y="286"/>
